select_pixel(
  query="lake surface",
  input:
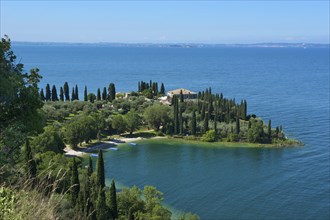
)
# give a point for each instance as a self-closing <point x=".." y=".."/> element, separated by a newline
<point x="289" y="86"/>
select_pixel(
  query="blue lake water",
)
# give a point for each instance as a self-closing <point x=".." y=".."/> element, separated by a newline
<point x="289" y="86"/>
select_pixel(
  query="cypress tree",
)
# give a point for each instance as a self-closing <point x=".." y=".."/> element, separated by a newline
<point x="101" y="206"/>
<point x="139" y="86"/>
<point x="54" y="94"/>
<point x="90" y="167"/>
<point x="244" y="109"/>
<point x="61" y="94"/>
<point x="162" y="89"/>
<point x="237" y="130"/>
<point x="48" y="93"/>
<point x="76" y="93"/>
<point x="89" y="212"/>
<point x="73" y="95"/>
<point x="31" y="166"/>
<point x="85" y="94"/>
<point x="112" y="92"/>
<point x="206" y="123"/>
<point x="100" y="179"/>
<point x="98" y="96"/>
<point x="181" y="122"/>
<point x="176" y="114"/>
<point x="113" y="200"/>
<point x="203" y="111"/>
<point x="104" y="94"/>
<point x="193" y="124"/>
<point x="269" y="129"/>
<point x="181" y="96"/>
<point x="216" y="118"/>
<point x="75" y="186"/>
<point x="42" y="95"/>
<point x="66" y="91"/>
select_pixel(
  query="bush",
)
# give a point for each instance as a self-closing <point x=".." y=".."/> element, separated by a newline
<point x="209" y="136"/>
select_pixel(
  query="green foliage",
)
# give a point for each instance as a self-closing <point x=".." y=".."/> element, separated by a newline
<point x="7" y="202"/>
<point x="75" y="185"/>
<point x="49" y="140"/>
<point x="101" y="206"/>
<point x="85" y="94"/>
<point x="31" y="167"/>
<point x="19" y="103"/>
<point x="113" y="200"/>
<point x="255" y="133"/>
<point x="119" y="123"/>
<point x="209" y="136"/>
<point x="100" y="178"/>
<point x="79" y="129"/>
<point x="157" y="115"/>
<point x="112" y="92"/>
<point x="133" y="121"/>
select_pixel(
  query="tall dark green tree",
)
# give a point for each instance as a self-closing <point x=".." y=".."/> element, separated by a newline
<point x="61" y="94"/>
<point x="162" y="89"/>
<point x="100" y="179"/>
<point x="31" y="166"/>
<point x="181" y="122"/>
<point x="73" y="95"/>
<point x="206" y="123"/>
<point x="90" y="167"/>
<point x="54" y="94"/>
<point x="181" y="96"/>
<point x="75" y="185"/>
<point x="112" y="92"/>
<point x="113" y="200"/>
<point x="203" y="111"/>
<point x="101" y="206"/>
<point x="176" y="114"/>
<point x="193" y="123"/>
<point x="104" y="94"/>
<point x="66" y="91"/>
<point x="269" y="133"/>
<point x="42" y="95"/>
<point x="48" y="93"/>
<point x="76" y="92"/>
<point x="237" y="128"/>
<point x="216" y="116"/>
<point x="98" y="96"/>
<point x="244" y="109"/>
<point x="85" y="94"/>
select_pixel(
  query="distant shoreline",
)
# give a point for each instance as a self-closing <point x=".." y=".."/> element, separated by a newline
<point x="178" y="45"/>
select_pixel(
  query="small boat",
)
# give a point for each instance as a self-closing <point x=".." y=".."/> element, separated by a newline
<point x="132" y="144"/>
<point x="113" y="148"/>
<point x="94" y="155"/>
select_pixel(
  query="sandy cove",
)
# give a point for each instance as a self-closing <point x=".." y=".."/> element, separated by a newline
<point x="103" y="145"/>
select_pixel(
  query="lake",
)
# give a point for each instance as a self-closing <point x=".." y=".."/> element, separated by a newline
<point x="288" y="85"/>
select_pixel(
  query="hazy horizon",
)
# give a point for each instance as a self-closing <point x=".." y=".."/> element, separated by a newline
<point x="166" y="22"/>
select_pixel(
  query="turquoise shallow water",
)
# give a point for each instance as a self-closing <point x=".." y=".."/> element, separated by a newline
<point x="290" y="86"/>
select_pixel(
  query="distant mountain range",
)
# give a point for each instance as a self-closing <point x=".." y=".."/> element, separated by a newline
<point x="182" y="45"/>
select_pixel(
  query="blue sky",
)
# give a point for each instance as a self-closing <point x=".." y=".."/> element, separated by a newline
<point x="166" y="21"/>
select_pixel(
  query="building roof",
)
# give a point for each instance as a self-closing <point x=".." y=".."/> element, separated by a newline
<point x="184" y="92"/>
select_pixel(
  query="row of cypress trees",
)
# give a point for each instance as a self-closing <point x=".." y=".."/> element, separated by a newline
<point x="153" y="86"/>
<point x="90" y="200"/>
<point x="51" y="94"/>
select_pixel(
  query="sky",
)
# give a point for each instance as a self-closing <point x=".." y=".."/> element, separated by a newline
<point x="166" y="21"/>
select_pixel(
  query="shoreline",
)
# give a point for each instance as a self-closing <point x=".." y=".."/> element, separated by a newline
<point x="80" y="152"/>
